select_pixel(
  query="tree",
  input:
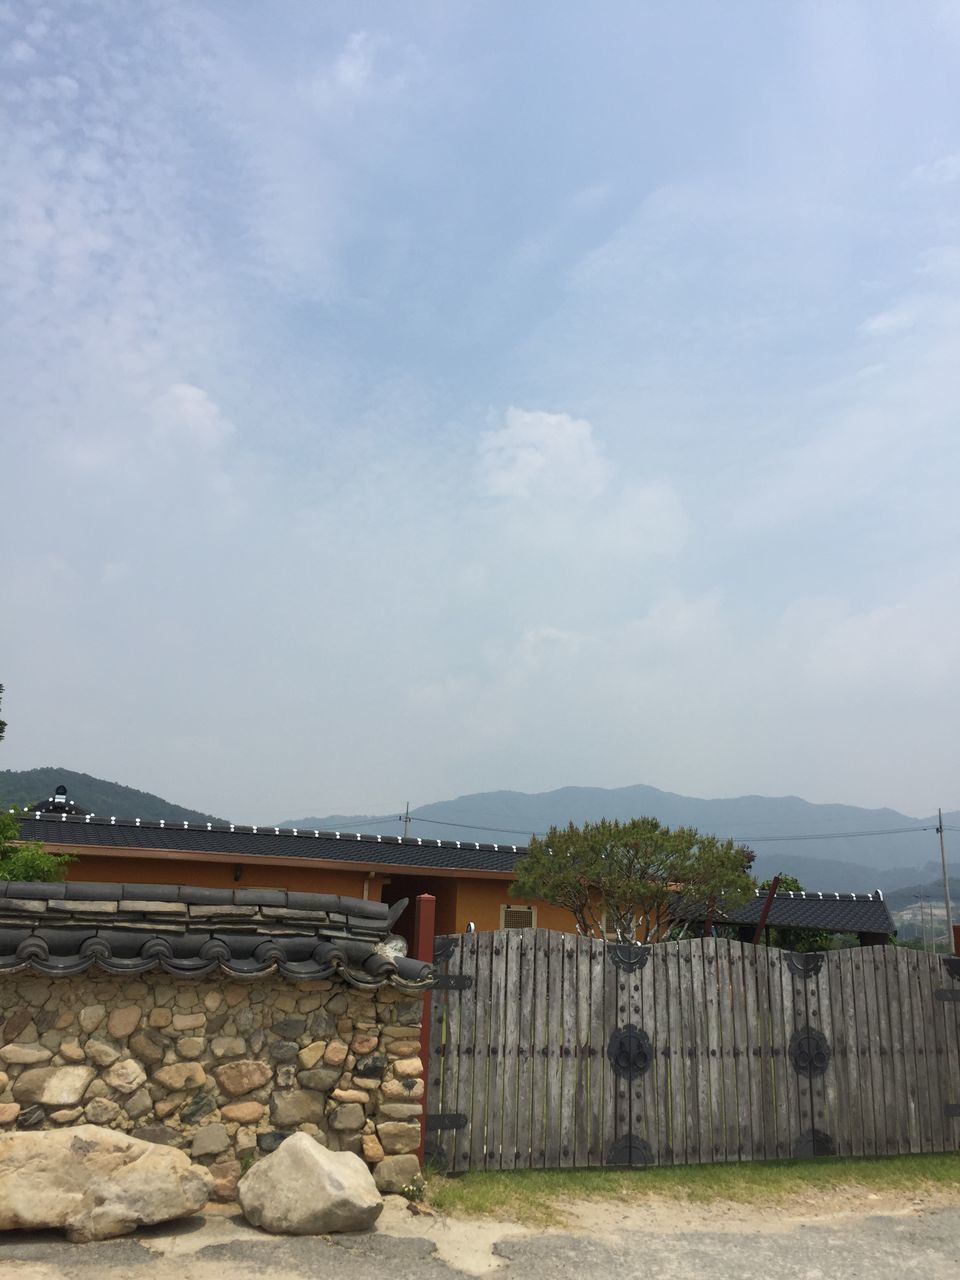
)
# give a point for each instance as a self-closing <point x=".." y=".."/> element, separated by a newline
<point x="28" y="860"/>
<point x="623" y="876"/>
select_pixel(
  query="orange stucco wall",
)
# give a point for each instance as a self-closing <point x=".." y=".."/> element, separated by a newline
<point x="136" y="869"/>
<point x="481" y="900"/>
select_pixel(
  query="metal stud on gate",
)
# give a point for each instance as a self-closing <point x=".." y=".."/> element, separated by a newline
<point x="629" y="1150"/>
<point x="805" y="963"/>
<point x="628" y="956"/>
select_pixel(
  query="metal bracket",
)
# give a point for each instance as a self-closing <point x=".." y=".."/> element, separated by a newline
<point x="444" y="1120"/>
<point x="628" y="955"/>
<point x="630" y="1150"/>
<point x="815" y="1143"/>
<point x="805" y="963"/>
<point x="809" y="1052"/>
<point x="952" y="965"/>
<point x="952" y="1110"/>
<point x="630" y="1051"/>
<point x="452" y="982"/>
<point x="946" y="995"/>
<point x="443" y="949"/>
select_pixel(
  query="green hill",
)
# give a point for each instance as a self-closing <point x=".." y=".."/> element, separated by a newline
<point x="105" y="799"/>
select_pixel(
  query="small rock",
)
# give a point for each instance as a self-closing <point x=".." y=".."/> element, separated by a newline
<point x="66" y="1117"/>
<point x="124" y="1021"/>
<point x="225" y="1178"/>
<point x="236" y="1078"/>
<point x="189" y="1021"/>
<point x="138" y="1104"/>
<point x="161" y="1134"/>
<point x="228" y="1047"/>
<point x="283" y="1050"/>
<point x="289" y="1028"/>
<point x="403" y="1048"/>
<point x="393" y="1173"/>
<point x="181" y="1075"/>
<point x="210" y="1141"/>
<point x="335" y="1053"/>
<point x="72" y="1050"/>
<point x="243" y="1112"/>
<point x="311" y="1055"/>
<point x="297" y="1106"/>
<point x="398" y="1090"/>
<point x="398" y="1138"/>
<point x="197" y="1108"/>
<point x="9" y="1112"/>
<point x="212" y="1001"/>
<point x="303" y="1189"/>
<point x="371" y="1066"/>
<point x="24" y="1054"/>
<point x="125" y="1076"/>
<point x="148" y="1046"/>
<point x="160" y="1018"/>
<point x="321" y="1078"/>
<point x="101" y="1052"/>
<point x="101" y="1110"/>
<point x="191" y="1046"/>
<point x="91" y="1017"/>
<point x="400" y="1110"/>
<point x="350" y="1095"/>
<point x="372" y="1150"/>
<point x="407" y="1067"/>
<point x="349" y="1116"/>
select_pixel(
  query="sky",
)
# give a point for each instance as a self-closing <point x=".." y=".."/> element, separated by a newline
<point x="402" y="401"/>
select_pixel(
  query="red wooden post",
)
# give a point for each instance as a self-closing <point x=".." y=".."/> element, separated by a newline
<point x="771" y="894"/>
<point x="424" y="931"/>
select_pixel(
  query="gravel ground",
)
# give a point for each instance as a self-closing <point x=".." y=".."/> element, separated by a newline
<point x="915" y="1241"/>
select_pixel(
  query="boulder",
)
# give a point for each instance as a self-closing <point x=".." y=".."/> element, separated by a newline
<point x="304" y="1189"/>
<point x="94" y="1183"/>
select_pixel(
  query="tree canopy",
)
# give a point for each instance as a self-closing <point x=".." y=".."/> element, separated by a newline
<point x="29" y="860"/>
<point x="622" y="876"/>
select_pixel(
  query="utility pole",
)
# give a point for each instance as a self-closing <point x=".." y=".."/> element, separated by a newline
<point x="946" y="881"/>
<point x="406" y="820"/>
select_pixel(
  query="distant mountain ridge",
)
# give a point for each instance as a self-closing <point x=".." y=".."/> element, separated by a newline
<point x="105" y="799"/>
<point x="829" y="857"/>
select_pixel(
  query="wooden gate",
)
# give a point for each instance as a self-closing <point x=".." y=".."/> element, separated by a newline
<point x="549" y="1050"/>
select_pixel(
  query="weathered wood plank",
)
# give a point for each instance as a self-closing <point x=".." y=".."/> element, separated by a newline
<point x="554" y="1046"/>
<point x="615" y="1117"/>
<point x="663" y="1040"/>
<point x="595" y="1054"/>
<point x="899" y="981"/>
<point x="823" y="1087"/>
<point x="859" y="1118"/>
<point x="762" y="1102"/>
<point x="746" y="1115"/>
<point x="568" y="1053"/>
<point x="709" y="1144"/>
<point x="876" y="1050"/>
<point x="481" y="1052"/>
<point x="947" y="1026"/>
<point x="689" y="1059"/>
<point x="442" y="1064"/>
<point x="794" y="1015"/>
<point x="539" y="1059"/>
<point x="466" y="1059"/>
<point x="715" y="1063"/>
<point x="838" y="1095"/>
<point x="493" y="1107"/>
<point x="513" y="997"/>
<point x="528" y="979"/>
<point x="771" y="961"/>
<point x="582" y="1101"/>
<point x="919" y="1038"/>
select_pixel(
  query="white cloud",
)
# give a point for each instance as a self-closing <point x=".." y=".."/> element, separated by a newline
<point x="940" y="172"/>
<point x="542" y="456"/>
<point x="186" y="414"/>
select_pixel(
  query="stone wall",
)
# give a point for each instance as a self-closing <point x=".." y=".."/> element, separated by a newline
<point x="222" y="1069"/>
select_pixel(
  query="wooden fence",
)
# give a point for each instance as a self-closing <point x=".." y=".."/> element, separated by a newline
<point x="549" y="1050"/>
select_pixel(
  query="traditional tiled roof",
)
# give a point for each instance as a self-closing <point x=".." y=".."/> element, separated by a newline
<point x="836" y="912"/>
<point x="64" y="928"/>
<point x="252" y="842"/>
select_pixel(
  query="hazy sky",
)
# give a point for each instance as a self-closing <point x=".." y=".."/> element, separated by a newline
<point x="401" y="400"/>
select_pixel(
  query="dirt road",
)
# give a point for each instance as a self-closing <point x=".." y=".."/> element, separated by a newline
<point x="877" y="1238"/>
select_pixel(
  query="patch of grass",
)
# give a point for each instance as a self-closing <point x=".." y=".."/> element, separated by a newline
<point x="535" y="1196"/>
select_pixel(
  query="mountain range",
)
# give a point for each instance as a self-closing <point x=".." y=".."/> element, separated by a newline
<point x="832" y="848"/>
